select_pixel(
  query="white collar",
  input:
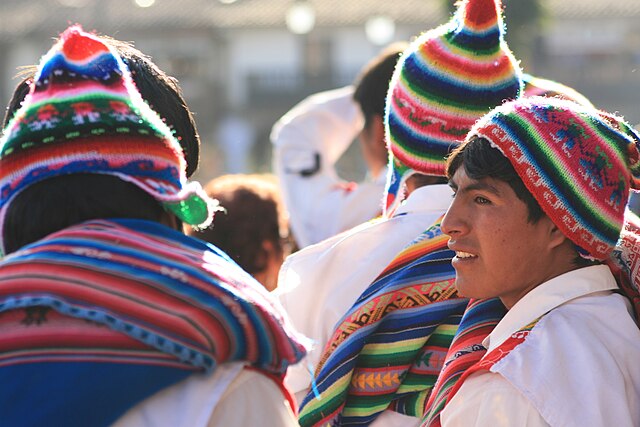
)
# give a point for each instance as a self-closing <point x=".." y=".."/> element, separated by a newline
<point x="430" y="198"/>
<point x="548" y="296"/>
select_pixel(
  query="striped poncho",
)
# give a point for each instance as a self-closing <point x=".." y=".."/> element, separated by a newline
<point x="388" y="350"/>
<point x="97" y="317"/>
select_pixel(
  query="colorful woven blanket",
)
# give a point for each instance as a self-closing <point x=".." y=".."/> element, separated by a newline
<point x="499" y="353"/>
<point x="97" y="317"/>
<point x="479" y="319"/>
<point x="388" y="350"/>
<point x="624" y="262"/>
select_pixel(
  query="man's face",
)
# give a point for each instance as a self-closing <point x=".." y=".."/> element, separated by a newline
<point x="498" y="252"/>
<point x="373" y="147"/>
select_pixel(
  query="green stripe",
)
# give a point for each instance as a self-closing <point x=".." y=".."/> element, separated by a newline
<point x="421" y="91"/>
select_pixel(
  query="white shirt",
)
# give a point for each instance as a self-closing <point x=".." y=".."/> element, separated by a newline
<point x="318" y="284"/>
<point x="578" y="367"/>
<point x="231" y="396"/>
<point x="315" y="133"/>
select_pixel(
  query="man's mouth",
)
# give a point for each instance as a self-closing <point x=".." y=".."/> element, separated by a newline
<point x="465" y="255"/>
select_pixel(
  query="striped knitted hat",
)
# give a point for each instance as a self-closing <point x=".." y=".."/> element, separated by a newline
<point x="447" y="79"/>
<point x="83" y="114"/>
<point x="579" y="163"/>
<point x="536" y="86"/>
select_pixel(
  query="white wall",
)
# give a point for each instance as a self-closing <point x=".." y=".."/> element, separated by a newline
<point x="18" y="55"/>
<point x="259" y="51"/>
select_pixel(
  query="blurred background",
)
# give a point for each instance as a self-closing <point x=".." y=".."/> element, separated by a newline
<point x="243" y="63"/>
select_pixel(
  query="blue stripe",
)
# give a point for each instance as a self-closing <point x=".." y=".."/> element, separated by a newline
<point x="430" y="81"/>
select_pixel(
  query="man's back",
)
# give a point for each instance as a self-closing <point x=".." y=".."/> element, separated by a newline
<point x="131" y="301"/>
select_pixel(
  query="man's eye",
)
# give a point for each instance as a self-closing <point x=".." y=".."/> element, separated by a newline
<point x="481" y="200"/>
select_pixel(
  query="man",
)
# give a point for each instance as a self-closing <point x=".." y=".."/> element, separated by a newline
<point x="540" y="192"/>
<point x="309" y="140"/>
<point x="110" y="314"/>
<point x="427" y="112"/>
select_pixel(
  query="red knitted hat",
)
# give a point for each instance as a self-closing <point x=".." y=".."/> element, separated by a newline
<point x="578" y="162"/>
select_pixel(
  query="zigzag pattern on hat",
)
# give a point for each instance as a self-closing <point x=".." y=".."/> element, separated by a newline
<point x="447" y="79"/>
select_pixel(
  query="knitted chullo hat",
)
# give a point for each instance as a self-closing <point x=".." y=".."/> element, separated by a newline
<point x="536" y="86"/>
<point x="83" y="114"/>
<point x="447" y="79"/>
<point x="579" y="163"/>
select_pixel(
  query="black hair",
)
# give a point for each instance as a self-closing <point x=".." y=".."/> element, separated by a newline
<point x="19" y="93"/>
<point x="161" y="91"/>
<point x="372" y="83"/>
<point x="56" y="203"/>
<point x="481" y="160"/>
<point x="422" y="180"/>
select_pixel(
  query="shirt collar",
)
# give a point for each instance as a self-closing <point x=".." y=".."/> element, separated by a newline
<point x="430" y="198"/>
<point x="548" y="296"/>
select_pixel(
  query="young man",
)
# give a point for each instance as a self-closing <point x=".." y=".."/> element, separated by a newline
<point x="540" y="192"/>
<point x="309" y="140"/>
<point x="110" y="314"/>
<point x="428" y="110"/>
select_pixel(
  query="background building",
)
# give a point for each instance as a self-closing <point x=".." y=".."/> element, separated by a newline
<point x="241" y="59"/>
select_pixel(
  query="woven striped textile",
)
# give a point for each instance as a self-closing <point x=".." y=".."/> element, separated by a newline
<point x="624" y="261"/>
<point x="479" y="319"/>
<point x="126" y="302"/>
<point x="485" y="363"/>
<point x="387" y="351"/>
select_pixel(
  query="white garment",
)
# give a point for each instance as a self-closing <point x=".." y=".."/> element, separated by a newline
<point x="236" y="136"/>
<point x="578" y="366"/>
<point x="231" y="396"/>
<point x="307" y="143"/>
<point x="318" y="284"/>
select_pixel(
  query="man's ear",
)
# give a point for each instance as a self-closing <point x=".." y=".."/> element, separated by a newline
<point x="556" y="236"/>
<point x="377" y="129"/>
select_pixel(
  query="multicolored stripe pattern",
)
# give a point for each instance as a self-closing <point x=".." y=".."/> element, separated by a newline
<point x="163" y="297"/>
<point x="579" y="163"/>
<point x="447" y="79"/>
<point x="624" y="261"/>
<point x="84" y="114"/>
<point x="479" y="319"/>
<point x="387" y="351"/>
<point x="97" y="317"/>
<point x="497" y="354"/>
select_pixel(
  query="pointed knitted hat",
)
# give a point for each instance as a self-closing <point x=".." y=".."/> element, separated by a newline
<point x="83" y="114"/>
<point x="447" y="79"/>
<point x="578" y="162"/>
